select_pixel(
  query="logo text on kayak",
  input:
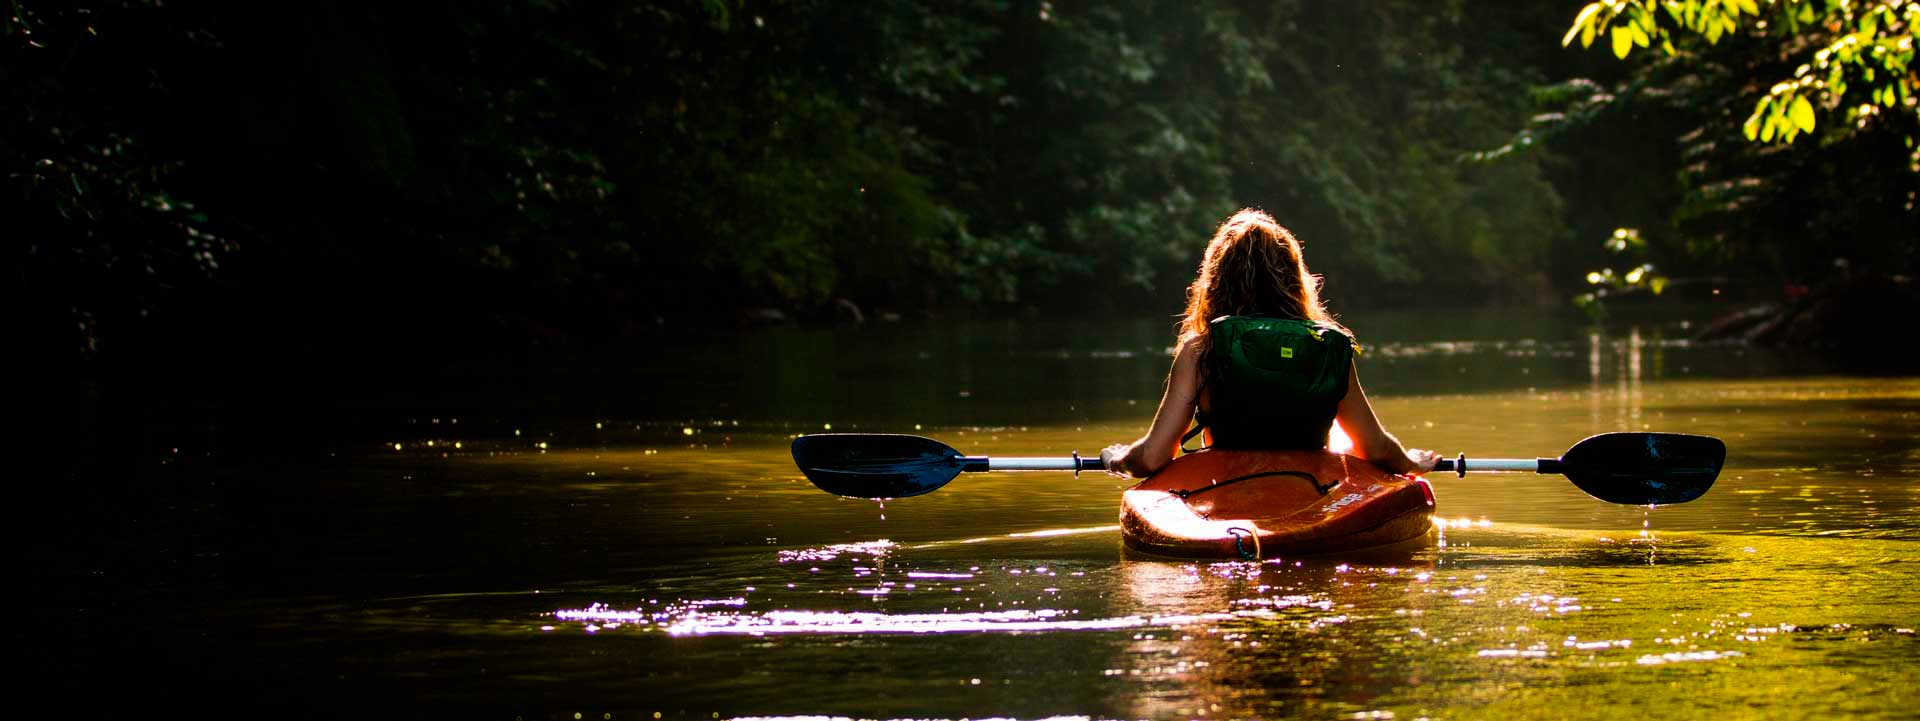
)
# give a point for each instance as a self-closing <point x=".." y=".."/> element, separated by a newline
<point x="1344" y="501"/>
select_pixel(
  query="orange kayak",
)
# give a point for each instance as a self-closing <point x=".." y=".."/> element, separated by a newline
<point x="1251" y="504"/>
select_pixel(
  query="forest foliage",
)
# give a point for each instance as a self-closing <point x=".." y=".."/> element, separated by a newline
<point x="1838" y="204"/>
<point x="607" y="168"/>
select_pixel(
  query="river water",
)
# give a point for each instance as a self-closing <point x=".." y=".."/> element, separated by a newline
<point x="655" y="554"/>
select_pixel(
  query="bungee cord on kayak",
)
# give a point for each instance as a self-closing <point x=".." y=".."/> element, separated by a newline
<point x="1323" y="489"/>
<point x="1249" y="533"/>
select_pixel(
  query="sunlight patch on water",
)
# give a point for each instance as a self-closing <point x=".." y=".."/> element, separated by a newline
<point x="1685" y="656"/>
<point x="1512" y="653"/>
<point x="696" y="622"/>
<point x="850" y="718"/>
<point x="1445" y="523"/>
<point x="828" y="553"/>
<point x="1044" y="533"/>
<point x="1575" y="643"/>
<point x="1286" y="602"/>
<point x="1546" y="602"/>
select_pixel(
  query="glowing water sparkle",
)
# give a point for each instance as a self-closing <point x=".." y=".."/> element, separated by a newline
<point x="827" y="553"/>
<point x="1685" y="656"/>
<point x="845" y="622"/>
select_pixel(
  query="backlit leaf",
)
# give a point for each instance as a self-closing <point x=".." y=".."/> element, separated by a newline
<point x="1801" y="112"/>
<point x="1572" y="32"/>
<point x="1582" y="25"/>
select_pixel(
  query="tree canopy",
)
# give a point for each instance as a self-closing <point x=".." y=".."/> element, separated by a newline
<point x="1734" y="85"/>
<point x="1841" y="45"/>
<point x="615" y="168"/>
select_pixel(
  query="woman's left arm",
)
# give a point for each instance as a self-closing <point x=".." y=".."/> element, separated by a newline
<point x="1155" y="450"/>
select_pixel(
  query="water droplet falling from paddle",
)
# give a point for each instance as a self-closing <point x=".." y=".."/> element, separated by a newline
<point x="1647" y="537"/>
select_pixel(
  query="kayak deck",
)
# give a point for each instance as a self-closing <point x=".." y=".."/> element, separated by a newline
<point x="1242" y="504"/>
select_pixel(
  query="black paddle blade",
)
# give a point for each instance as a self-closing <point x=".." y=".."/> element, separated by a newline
<point x="1644" y="468"/>
<point x="875" y="465"/>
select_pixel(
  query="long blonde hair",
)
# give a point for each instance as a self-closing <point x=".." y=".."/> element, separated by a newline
<point x="1253" y="266"/>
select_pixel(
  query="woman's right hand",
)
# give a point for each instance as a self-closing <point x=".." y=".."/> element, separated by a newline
<point x="1422" y="459"/>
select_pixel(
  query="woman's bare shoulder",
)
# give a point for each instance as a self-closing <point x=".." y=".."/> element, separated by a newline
<point x="1188" y="351"/>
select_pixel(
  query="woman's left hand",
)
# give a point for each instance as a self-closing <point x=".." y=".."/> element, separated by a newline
<point x="1114" y="457"/>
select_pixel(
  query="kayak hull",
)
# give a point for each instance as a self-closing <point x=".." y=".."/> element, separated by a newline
<point x="1243" y="504"/>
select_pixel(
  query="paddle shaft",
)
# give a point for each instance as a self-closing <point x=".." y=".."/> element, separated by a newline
<point x="1075" y="463"/>
<point x="1549" y="466"/>
<point x="978" y="464"/>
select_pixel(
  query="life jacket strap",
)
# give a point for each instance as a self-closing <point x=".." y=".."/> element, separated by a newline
<point x="1199" y="427"/>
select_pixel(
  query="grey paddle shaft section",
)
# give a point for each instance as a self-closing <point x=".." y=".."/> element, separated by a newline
<point x="1503" y="464"/>
<point x="1017" y="463"/>
<point x="1523" y="465"/>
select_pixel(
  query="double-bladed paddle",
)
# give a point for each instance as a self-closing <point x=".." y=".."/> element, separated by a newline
<point x="1631" y="468"/>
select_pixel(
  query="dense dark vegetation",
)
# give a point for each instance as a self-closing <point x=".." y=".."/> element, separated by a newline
<point x="345" y="175"/>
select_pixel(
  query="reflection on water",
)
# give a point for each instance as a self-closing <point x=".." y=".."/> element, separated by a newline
<point x="845" y="622"/>
<point x="1399" y="631"/>
<point x="674" y="562"/>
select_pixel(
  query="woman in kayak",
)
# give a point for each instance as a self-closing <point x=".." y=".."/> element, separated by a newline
<point x="1261" y="361"/>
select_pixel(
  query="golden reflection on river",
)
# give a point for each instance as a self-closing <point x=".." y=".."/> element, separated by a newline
<point x="727" y="584"/>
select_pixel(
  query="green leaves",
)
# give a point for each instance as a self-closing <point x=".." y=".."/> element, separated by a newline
<point x="1624" y="239"/>
<point x="1583" y="26"/>
<point x="1857" y="42"/>
<point x="1785" y="114"/>
<point x="1838" y="72"/>
<point x="1801" y="112"/>
<point x="1606" y="282"/>
<point x="1622" y="42"/>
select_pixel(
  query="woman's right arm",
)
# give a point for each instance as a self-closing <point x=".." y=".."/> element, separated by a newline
<point x="1371" y="440"/>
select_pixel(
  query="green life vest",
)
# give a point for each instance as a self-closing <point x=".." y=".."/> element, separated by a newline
<point x="1274" y="382"/>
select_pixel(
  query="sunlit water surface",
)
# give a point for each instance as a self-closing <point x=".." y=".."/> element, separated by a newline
<point x="672" y="563"/>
